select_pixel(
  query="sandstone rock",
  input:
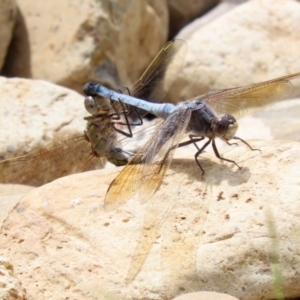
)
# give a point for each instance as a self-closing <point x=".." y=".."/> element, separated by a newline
<point x="18" y="59"/>
<point x="10" y="287"/>
<point x="229" y="233"/>
<point x="282" y="119"/>
<point x="183" y="12"/>
<point x="107" y="41"/>
<point x="46" y="121"/>
<point x="35" y="113"/>
<point x="238" y="49"/>
<point x="8" y="11"/>
<point x="220" y="9"/>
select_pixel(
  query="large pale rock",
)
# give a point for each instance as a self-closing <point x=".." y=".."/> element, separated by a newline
<point x="8" y="10"/>
<point x="282" y="119"/>
<point x="229" y="233"/>
<point x="220" y="9"/>
<point x="10" y="287"/>
<point x="256" y="41"/>
<point x="106" y="41"/>
<point x="35" y="113"/>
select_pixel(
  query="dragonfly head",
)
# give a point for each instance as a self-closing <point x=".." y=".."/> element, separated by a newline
<point x="95" y="105"/>
<point x="225" y="127"/>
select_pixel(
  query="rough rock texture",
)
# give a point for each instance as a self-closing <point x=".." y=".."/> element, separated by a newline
<point x="107" y="41"/>
<point x="238" y="49"/>
<point x="10" y="287"/>
<point x="34" y="113"/>
<point x="232" y="233"/>
<point x="8" y="10"/>
<point x="183" y="12"/>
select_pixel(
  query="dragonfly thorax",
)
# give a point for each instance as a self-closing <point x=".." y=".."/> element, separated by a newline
<point x="101" y="135"/>
<point x="119" y="157"/>
<point x="225" y="127"/>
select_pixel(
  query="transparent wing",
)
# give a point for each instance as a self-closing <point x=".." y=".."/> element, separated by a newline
<point x="147" y="168"/>
<point x="46" y="164"/>
<point x="160" y="75"/>
<point x="140" y="136"/>
<point x="248" y="99"/>
<point x="164" y="145"/>
<point x="154" y="83"/>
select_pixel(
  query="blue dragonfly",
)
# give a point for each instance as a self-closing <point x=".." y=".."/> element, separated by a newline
<point x="198" y="117"/>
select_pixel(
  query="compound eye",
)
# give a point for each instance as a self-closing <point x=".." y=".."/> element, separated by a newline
<point x="90" y="105"/>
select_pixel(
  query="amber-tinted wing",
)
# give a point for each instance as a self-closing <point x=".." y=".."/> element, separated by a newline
<point x="251" y="98"/>
<point x="46" y="164"/>
<point x="160" y="75"/>
<point x="156" y="157"/>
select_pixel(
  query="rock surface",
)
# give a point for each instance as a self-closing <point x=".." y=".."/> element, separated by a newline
<point x="237" y="49"/>
<point x="36" y="112"/>
<point x="229" y="233"/>
<point x="10" y="287"/>
<point x="106" y="41"/>
<point x="8" y="11"/>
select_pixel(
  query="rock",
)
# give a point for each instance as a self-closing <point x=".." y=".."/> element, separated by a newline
<point x="280" y="122"/>
<point x="10" y="287"/>
<point x="8" y="10"/>
<point x="183" y="12"/>
<point x="237" y="49"/>
<point x="282" y="119"/>
<point x="205" y="296"/>
<point x="220" y="9"/>
<point x="233" y="233"/>
<point x="90" y="41"/>
<point x="18" y="59"/>
<point x="36" y="113"/>
<point x="46" y="121"/>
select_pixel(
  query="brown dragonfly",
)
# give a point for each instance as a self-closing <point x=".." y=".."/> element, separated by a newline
<point x="197" y="117"/>
<point x="100" y="139"/>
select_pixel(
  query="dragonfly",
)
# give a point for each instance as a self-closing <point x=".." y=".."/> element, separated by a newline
<point x="198" y="117"/>
<point x="100" y="139"/>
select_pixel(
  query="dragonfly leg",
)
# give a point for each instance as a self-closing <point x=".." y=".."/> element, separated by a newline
<point x="222" y="158"/>
<point x="231" y="144"/>
<point x="198" y="153"/>
<point x="116" y="116"/>
<point x="191" y="141"/>
<point x="243" y="141"/>
<point x="196" y="139"/>
<point x="125" y="111"/>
